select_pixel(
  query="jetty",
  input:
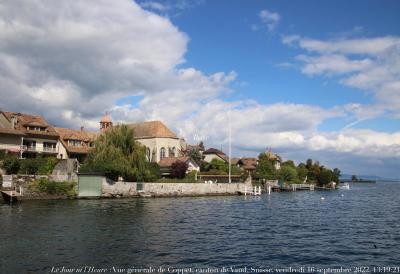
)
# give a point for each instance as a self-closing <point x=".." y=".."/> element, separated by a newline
<point x="293" y="187"/>
<point x="11" y="196"/>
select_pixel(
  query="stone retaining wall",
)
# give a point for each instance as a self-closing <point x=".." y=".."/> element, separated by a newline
<point x="132" y="189"/>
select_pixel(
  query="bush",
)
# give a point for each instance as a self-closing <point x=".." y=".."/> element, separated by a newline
<point x="46" y="165"/>
<point x="43" y="185"/>
<point x="153" y="172"/>
<point x="178" y="169"/>
<point x="192" y="175"/>
<point x="11" y="164"/>
<point x="175" y="180"/>
<point x="35" y="166"/>
<point x="29" y="166"/>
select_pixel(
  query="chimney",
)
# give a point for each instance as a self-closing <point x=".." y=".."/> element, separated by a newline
<point x="13" y="122"/>
<point x="82" y="127"/>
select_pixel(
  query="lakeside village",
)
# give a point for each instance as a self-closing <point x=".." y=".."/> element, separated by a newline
<point x="40" y="161"/>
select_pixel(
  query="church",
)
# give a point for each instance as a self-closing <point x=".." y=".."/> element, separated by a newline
<point x="159" y="140"/>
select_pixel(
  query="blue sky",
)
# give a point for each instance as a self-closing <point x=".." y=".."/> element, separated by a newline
<point x="229" y="35"/>
<point x="222" y="39"/>
<point x="317" y="79"/>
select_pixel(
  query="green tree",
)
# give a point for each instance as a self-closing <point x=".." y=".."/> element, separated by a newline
<point x="195" y="155"/>
<point x="325" y="176"/>
<point x="11" y="164"/>
<point x="288" y="173"/>
<point x="336" y="175"/>
<point x="219" y="165"/>
<point x="289" y="163"/>
<point x="309" y="164"/>
<point x="354" y="178"/>
<point x="302" y="172"/>
<point x="265" y="168"/>
<point x="117" y="154"/>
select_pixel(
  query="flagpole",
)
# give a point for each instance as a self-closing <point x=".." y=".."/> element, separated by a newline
<point x="230" y="144"/>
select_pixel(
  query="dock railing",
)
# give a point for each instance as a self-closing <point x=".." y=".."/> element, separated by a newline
<point x="302" y="186"/>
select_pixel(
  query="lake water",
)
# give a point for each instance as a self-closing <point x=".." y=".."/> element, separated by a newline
<point x="349" y="228"/>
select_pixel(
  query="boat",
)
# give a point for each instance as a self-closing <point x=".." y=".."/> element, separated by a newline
<point x="345" y="186"/>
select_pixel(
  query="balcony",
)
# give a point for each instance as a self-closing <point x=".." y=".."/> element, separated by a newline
<point x="29" y="148"/>
<point x="50" y="149"/>
<point x="36" y="149"/>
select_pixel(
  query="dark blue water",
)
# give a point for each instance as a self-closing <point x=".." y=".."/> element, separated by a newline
<point x="349" y="228"/>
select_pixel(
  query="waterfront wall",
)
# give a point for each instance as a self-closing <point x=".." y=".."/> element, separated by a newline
<point x="23" y="180"/>
<point x="132" y="189"/>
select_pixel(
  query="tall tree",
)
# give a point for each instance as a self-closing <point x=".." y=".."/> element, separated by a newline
<point x="118" y="154"/>
<point x="265" y="168"/>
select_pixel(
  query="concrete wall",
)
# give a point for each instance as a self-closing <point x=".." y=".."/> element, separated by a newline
<point x="130" y="189"/>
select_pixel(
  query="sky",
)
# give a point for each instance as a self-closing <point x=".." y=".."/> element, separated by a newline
<point x="307" y="79"/>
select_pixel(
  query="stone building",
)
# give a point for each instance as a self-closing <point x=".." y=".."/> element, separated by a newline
<point x="160" y="141"/>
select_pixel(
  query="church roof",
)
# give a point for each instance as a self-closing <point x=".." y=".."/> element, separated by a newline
<point x="152" y="129"/>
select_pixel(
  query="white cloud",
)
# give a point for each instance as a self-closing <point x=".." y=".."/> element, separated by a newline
<point x="369" y="64"/>
<point x="269" y="18"/>
<point x="332" y="64"/>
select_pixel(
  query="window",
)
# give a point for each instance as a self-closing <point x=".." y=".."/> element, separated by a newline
<point x="148" y="154"/>
<point x="49" y="146"/>
<point x="74" y="143"/>
<point x="162" y="153"/>
<point x="29" y="144"/>
<point x="173" y="152"/>
<point x="36" y="128"/>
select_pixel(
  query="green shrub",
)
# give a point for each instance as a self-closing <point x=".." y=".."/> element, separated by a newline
<point x="11" y="164"/>
<point x="29" y="166"/>
<point x="175" y="180"/>
<point x="153" y="172"/>
<point x="43" y="185"/>
<point x="192" y="175"/>
<point x="2" y="154"/>
<point x="46" y="165"/>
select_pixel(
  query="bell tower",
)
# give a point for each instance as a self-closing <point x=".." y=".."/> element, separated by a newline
<point x="105" y="123"/>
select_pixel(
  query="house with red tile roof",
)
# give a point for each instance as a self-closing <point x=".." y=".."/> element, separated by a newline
<point x="166" y="164"/>
<point x="27" y="135"/>
<point x="75" y="144"/>
<point x="213" y="153"/>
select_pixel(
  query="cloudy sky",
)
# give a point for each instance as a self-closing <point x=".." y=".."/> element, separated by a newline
<point x="305" y="78"/>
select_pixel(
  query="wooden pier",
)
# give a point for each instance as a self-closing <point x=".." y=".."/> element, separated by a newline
<point x="293" y="188"/>
<point x="11" y="196"/>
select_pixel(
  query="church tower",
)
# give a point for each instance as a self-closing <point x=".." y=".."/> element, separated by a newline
<point x="105" y="123"/>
